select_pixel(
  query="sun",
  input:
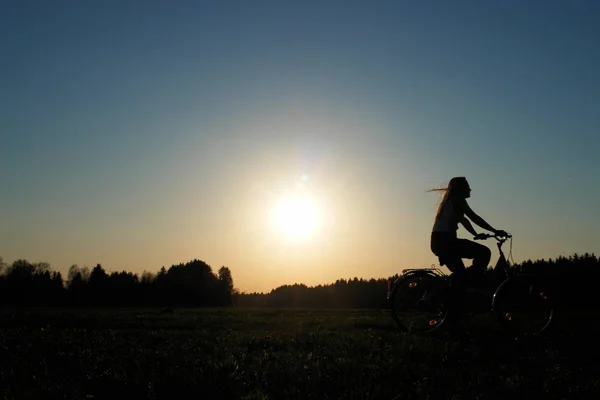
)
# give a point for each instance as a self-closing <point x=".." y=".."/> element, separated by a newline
<point x="297" y="217"/>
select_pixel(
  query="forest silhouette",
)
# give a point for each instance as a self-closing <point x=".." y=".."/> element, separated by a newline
<point x="570" y="281"/>
<point x="189" y="284"/>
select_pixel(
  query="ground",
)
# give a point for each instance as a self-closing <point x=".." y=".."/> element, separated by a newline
<point x="284" y="354"/>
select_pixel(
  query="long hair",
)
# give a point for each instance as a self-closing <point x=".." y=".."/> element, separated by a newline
<point x="455" y="184"/>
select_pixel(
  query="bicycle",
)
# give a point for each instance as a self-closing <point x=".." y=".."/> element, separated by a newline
<point x="520" y="301"/>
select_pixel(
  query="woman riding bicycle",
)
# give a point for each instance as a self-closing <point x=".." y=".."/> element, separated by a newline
<point x="445" y="244"/>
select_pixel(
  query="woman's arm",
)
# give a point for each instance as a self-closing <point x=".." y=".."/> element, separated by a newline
<point x="474" y="217"/>
<point x="467" y="224"/>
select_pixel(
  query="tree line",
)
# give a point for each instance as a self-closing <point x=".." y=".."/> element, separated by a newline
<point x="351" y="293"/>
<point x="571" y="282"/>
<point x="191" y="284"/>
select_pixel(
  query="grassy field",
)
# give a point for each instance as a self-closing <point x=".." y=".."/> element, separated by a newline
<point x="282" y="354"/>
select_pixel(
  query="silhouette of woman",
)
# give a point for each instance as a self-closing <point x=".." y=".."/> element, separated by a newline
<point x="454" y="209"/>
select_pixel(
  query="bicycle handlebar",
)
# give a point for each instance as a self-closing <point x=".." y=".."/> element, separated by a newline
<point x="483" y="236"/>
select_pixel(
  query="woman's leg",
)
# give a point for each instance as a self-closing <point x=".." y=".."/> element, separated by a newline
<point x="445" y="247"/>
<point x="480" y="254"/>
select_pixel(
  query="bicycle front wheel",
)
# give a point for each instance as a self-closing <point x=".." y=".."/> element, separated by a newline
<point x="417" y="303"/>
<point x="524" y="307"/>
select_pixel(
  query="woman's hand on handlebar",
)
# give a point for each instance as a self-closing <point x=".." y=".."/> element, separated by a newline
<point x="501" y="233"/>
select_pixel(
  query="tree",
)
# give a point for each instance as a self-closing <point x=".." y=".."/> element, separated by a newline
<point x="98" y="276"/>
<point x="3" y="266"/>
<point x="57" y="280"/>
<point x="97" y="285"/>
<point x="226" y="279"/>
<point x="42" y="267"/>
<point x="147" y="278"/>
<point x="73" y="272"/>
<point x="76" y="287"/>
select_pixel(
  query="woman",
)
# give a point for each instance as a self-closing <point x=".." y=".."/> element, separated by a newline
<point x="453" y="209"/>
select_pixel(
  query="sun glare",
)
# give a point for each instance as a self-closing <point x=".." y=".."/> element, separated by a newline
<point x="296" y="217"/>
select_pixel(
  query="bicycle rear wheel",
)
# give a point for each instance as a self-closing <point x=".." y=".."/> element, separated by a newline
<point x="417" y="303"/>
<point x="524" y="307"/>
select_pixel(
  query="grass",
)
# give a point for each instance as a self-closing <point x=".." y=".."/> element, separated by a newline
<point x="282" y="354"/>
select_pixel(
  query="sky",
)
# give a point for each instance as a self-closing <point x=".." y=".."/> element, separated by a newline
<point x="142" y="134"/>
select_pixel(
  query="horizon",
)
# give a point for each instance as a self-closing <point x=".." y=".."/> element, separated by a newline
<point x="293" y="143"/>
<point x="215" y="271"/>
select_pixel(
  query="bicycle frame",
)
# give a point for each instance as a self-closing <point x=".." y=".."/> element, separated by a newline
<point x="502" y="261"/>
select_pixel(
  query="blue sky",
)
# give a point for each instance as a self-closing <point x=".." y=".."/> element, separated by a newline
<point x="142" y="134"/>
